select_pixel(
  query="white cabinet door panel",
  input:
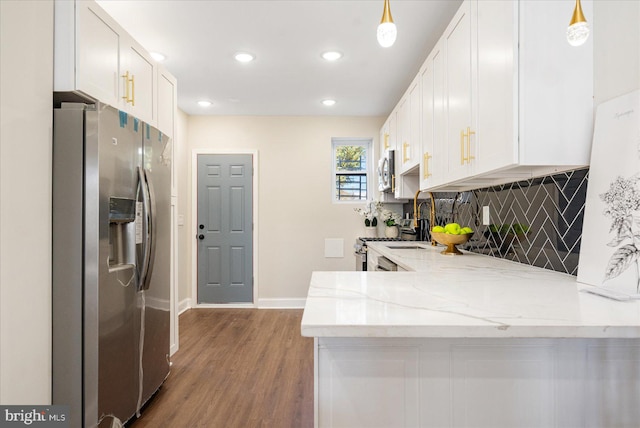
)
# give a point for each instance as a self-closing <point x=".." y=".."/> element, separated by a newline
<point x="488" y="380"/>
<point x="434" y="156"/>
<point x="383" y="381"/>
<point x="458" y="72"/>
<point x="141" y="85"/>
<point x="167" y="106"/>
<point x="613" y="386"/>
<point x="98" y="51"/>
<point x="497" y="134"/>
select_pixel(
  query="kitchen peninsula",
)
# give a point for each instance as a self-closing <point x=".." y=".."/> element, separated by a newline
<point x="470" y="341"/>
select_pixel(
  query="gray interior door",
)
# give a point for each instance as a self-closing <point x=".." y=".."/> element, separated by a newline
<point x="225" y="228"/>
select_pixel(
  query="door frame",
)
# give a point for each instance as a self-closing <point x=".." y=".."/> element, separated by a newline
<point x="194" y="222"/>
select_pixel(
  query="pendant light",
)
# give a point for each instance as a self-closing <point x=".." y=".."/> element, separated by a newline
<point x="578" y="30"/>
<point x="387" y="32"/>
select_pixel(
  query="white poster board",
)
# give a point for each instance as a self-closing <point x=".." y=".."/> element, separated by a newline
<point x="610" y="249"/>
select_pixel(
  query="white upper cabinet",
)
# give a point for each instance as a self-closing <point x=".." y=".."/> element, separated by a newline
<point x="504" y="97"/>
<point x="415" y="124"/>
<point x="385" y="136"/>
<point x="459" y="86"/>
<point x="434" y="156"/>
<point x="393" y="131"/>
<point x="96" y="57"/>
<point x="138" y="77"/>
<point x="531" y="95"/>
<point x="97" y="50"/>
<point x="409" y="123"/>
<point x="497" y="92"/>
<point x="167" y="102"/>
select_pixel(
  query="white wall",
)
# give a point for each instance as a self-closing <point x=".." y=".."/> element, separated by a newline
<point x="296" y="213"/>
<point x="26" y="85"/>
<point x="616" y="43"/>
<point x="181" y="159"/>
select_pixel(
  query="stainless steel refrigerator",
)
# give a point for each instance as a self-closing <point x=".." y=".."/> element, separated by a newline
<point x="111" y="263"/>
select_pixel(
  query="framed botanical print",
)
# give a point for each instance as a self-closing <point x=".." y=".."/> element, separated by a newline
<point x="610" y="248"/>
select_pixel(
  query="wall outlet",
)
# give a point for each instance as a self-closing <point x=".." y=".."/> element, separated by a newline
<point x="486" y="219"/>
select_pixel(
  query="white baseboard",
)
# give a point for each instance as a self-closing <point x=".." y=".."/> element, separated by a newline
<point x="282" y="303"/>
<point x="184" y="305"/>
<point x="155" y="303"/>
<point x="173" y="350"/>
<point x="224" y="306"/>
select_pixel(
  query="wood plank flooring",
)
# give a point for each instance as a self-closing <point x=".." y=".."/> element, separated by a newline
<point x="237" y="368"/>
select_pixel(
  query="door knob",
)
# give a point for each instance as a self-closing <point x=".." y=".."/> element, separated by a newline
<point x="201" y="226"/>
<point x="201" y="237"/>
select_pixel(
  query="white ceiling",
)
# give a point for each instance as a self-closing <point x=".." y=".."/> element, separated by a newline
<point x="288" y="77"/>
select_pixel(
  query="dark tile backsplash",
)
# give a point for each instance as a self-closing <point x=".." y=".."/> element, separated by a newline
<point x="547" y="213"/>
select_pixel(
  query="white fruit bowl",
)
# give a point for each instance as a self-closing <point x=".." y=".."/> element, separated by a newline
<point x="451" y="241"/>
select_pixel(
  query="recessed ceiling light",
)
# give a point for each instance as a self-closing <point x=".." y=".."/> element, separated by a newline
<point x="204" y="103"/>
<point x="331" y="55"/>
<point x="244" y="57"/>
<point x="158" y="56"/>
<point x="328" y="103"/>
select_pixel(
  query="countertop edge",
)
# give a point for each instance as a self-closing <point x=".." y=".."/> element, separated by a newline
<point x="474" y="332"/>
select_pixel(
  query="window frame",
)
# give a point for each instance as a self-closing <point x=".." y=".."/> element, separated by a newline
<point x="367" y="143"/>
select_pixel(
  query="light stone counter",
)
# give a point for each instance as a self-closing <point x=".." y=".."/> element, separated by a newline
<point x="469" y="341"/>
<point x="469" y="296"/>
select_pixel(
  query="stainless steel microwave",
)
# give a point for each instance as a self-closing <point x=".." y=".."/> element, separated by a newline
<point x="386" y="172"/>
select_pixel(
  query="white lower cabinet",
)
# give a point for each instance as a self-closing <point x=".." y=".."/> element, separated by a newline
<point x="372" y="259"/>
<point x="510" y="383"/>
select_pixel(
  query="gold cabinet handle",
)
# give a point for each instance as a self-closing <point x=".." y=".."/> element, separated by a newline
<point x="133" y="90"/>
<point x="462" y="158"/>
<point x="129" y="95"/>
<point x="404" y="152"/>
<point x="425" y="160"/>
<point x="386" y="141"/>
<point x="466" y="135"/>
<point x="393" y="183"/>
<point x="125" y="76"/>
<point x="469" y="134"/>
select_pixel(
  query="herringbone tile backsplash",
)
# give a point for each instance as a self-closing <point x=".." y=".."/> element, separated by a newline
<point x="537" y="222"/>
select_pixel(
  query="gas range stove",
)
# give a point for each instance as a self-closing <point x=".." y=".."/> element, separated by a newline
<point x="361" y="249"/>
<point x="367" y="238"/>
<point x="361" y="242"/>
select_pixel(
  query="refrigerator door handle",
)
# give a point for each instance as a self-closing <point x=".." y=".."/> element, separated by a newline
<point x="151" y="242"/>
<point x="142" y="188"/>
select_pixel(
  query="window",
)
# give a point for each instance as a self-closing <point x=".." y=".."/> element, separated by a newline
<point x="351" y="167"/>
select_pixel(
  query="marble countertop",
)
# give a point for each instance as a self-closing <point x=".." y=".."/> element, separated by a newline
<point x="461" y="297"/>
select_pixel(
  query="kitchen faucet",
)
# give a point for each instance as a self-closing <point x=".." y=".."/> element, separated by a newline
<point x="432" y="212"/>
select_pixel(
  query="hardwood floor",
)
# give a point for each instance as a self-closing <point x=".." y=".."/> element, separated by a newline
<point x="237" y="368"/>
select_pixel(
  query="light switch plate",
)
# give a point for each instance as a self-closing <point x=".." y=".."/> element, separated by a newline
<point x="334" y="247"/>
<point x="486" y="219"/>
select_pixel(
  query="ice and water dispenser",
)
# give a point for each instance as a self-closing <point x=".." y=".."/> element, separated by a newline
<point x="122" y="233"/>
